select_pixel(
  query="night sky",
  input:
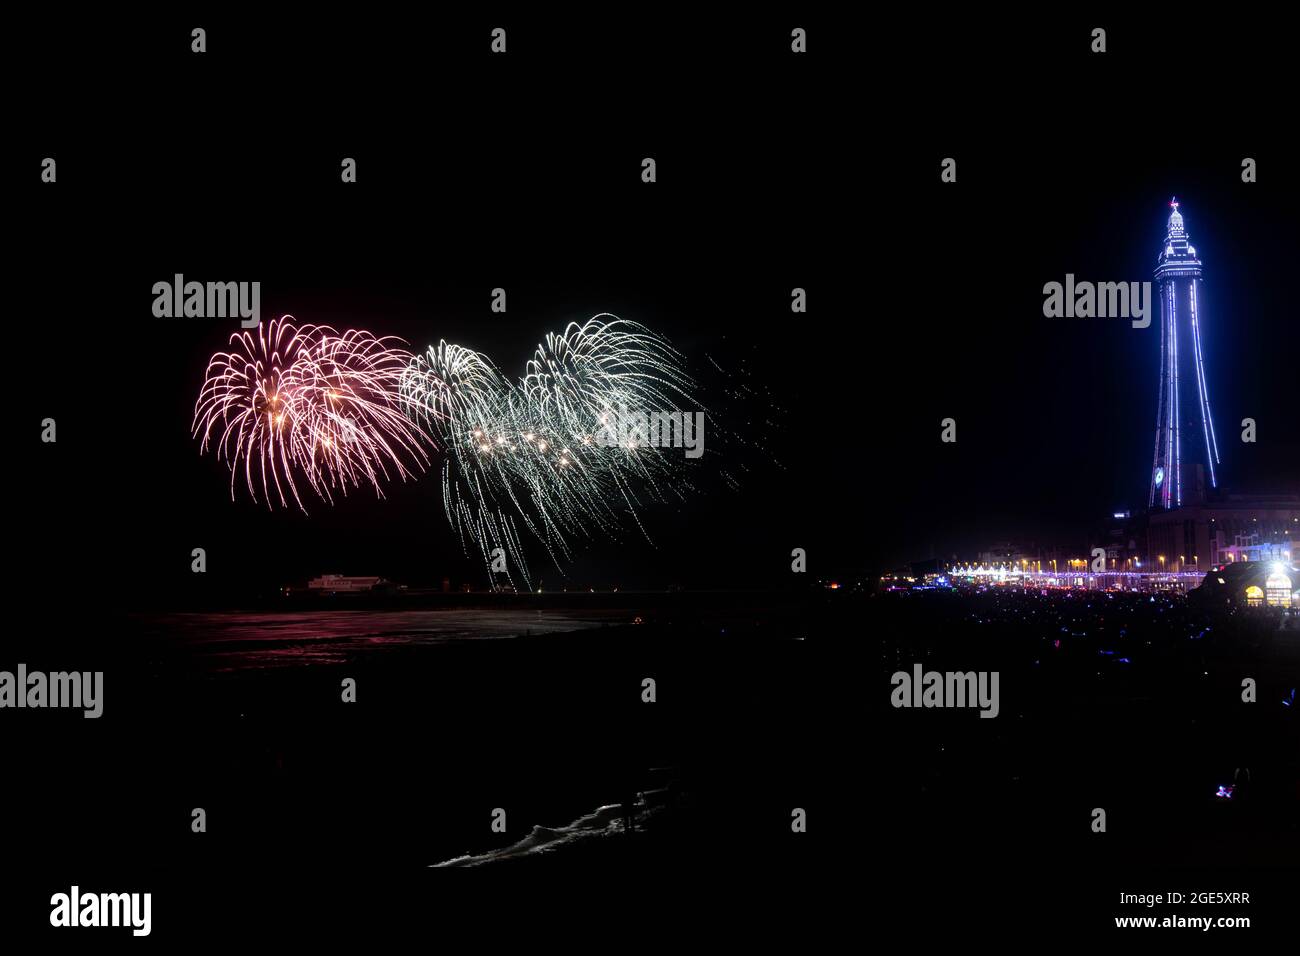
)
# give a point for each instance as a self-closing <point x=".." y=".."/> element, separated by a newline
<point x="775" y="172"/>
<point x="925" y="298"/>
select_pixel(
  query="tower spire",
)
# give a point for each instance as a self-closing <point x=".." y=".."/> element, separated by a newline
<point x="1175" y="219"/>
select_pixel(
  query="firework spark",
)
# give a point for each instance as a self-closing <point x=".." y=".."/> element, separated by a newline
<point x="296" y="404"/>
<point x="525" y="460"/>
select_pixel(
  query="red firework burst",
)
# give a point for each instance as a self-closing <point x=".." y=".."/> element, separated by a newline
<point x="290" y="404"/>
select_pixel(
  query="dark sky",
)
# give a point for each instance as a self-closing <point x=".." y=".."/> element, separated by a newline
<point x="925" y="298"/>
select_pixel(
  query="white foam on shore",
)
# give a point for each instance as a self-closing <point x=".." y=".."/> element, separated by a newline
<point x="602" y="822"/>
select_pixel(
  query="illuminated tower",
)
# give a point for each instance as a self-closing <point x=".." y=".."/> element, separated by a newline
<point x="1187" y="452"/>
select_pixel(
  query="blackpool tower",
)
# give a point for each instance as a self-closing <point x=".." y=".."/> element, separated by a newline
<point x="1187" y="453"/>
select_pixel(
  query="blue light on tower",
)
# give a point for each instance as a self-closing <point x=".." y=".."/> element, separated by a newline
<point x="1185" y="441"/>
